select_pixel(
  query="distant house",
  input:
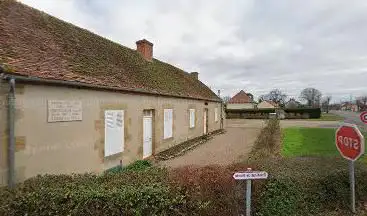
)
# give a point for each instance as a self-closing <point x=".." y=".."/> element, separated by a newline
<point x="292" y="103"/>
<point x="241" y="100"/>
<point x="347" y="106"/>
<point x="267" y="105"/>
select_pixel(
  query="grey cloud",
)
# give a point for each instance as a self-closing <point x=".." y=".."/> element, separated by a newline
<point x="240" y="44"/>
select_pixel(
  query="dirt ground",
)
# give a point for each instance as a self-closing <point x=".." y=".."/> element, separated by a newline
<point x="236" y="143"/>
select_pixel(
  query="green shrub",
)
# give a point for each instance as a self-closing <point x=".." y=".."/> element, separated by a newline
<point x="153" y="199"/>
<point x="296" y="186"/>
<point x="308" y="186"/>
<point x="334" y="189"/>
<point x="279" y="197"/>
<point x="135" y="166"/>
<point x="144" y="192"/>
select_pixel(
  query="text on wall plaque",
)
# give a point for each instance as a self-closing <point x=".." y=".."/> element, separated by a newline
<point x="64" y="110"/>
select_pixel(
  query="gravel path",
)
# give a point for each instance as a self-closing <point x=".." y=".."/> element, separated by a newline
<point x="224" y="149"/>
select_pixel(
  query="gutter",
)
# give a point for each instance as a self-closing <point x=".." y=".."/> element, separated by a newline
<point x="92" y="86"/>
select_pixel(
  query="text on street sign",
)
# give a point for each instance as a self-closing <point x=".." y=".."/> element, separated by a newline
<point x="349" y="142"/>
<point x="250" y="175"/>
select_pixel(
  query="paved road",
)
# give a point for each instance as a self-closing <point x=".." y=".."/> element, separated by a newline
<point x="351" y="117"/>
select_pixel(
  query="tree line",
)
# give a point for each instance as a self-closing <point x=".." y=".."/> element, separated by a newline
<point x="312" y="97"/>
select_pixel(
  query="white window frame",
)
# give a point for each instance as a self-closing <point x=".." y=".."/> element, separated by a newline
<point x="191" y="118"/>
<point x="216" y="114"/>
<point x="167" y="123"/>
<point x="114" y="139"/>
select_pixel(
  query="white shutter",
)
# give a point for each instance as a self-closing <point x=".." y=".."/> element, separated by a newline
<point x="192" y="118"/>
<point x="168" y="123"/>
<point x="216" y="114"/>
<point x="114" y="132"/>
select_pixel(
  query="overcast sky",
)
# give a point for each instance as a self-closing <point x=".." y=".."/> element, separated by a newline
<point x="255" y="45"/>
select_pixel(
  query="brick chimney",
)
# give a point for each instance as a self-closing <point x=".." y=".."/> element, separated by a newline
<point x="145" y="48"/>
<point x="195" y="75"/>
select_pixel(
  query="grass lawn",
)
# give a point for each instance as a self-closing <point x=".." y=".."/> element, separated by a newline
<point x="310" y="142"/>
<point x="328" y="117"/>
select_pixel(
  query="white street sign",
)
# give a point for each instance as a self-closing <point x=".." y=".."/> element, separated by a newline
<point x="250" y="175"/>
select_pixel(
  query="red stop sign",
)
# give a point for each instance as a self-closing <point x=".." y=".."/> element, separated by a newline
<point x="349" y="141"/>
<point x="363" y="117"/>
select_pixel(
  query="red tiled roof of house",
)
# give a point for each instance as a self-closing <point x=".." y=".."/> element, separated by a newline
<point x="33" y="43"/>
<point x="273" y="103"/>
<point x="240" y="97"/>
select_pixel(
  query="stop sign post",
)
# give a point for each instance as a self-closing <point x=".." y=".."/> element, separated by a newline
<point x="350" y="143"/>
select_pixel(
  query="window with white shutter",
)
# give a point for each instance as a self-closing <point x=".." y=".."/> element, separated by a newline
<point x="216" y="114"/>
<point x="192" y="118"/>
<point x="168" y="123"/>
<point x="114" y="132"/>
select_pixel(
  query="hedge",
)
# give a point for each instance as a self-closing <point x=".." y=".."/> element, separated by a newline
<point x="146" y="192"/>
<point x="136" y="166"/>
<point x="309" y="186"/>
<point x="312" y="112"/>
<point x="249" y="113"/>
<point x="297" y="113"/>
<point x="296" y="186"/>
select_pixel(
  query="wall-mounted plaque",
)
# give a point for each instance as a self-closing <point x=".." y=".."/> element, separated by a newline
<point x="64" y="110"/>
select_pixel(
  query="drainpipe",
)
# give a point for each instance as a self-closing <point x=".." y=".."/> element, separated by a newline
<point x="221" y="111"/>
<point x="11" y="141"/>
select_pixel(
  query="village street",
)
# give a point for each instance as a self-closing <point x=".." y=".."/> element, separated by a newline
<point x="351" y="117"/>
<point x="236" y="143"/>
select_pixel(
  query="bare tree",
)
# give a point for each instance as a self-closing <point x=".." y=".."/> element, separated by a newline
<point x="226" y="99"/>
<point x="362" y="103"/>
<point x="326" y="103"/>
<point x="312" y="96"/>
<point x="262" y="98"/>
<point x="251" y="96"/>
<point x="275" y="96"/>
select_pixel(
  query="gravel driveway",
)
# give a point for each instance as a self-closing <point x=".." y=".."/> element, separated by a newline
<point x="224" y="149"/>
<point x="236" y="143"/>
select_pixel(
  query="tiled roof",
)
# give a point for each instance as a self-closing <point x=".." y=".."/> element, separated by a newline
<point x="273" y="103"/>
<point x="33" y="43"/>
<point x="292" y="100"/>
<point x="240" y="97"/>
